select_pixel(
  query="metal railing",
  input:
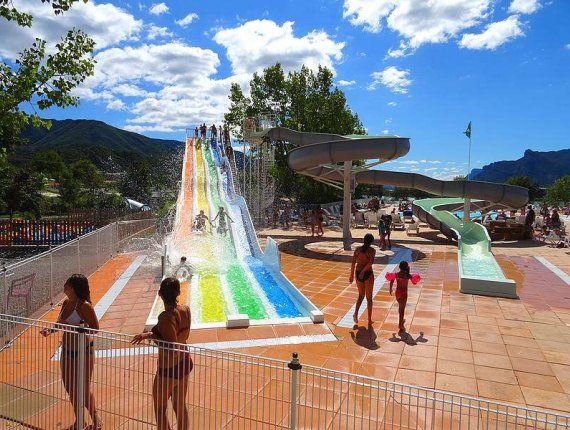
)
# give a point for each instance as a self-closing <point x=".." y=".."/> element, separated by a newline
<point x="225" y="389"/>
<point x="31" y="286"/>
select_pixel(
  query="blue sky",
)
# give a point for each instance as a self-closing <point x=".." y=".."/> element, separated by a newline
<point x="407" y="68"/>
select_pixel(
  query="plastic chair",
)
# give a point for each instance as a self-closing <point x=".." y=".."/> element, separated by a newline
<point x="21" y="287"/>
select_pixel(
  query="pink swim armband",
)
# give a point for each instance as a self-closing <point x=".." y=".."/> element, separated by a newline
<point x="390" y="276"/>
<point x="415" y="278"/>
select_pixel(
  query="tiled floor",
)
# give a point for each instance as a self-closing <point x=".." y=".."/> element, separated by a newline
<point x="515" y="351"/>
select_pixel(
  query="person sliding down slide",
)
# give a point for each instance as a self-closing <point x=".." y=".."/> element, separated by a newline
<point x="200" y="222"/>
<point x="222" y="223"/>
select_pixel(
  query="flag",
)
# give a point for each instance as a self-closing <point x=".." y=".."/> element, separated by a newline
<point x="467" y="131"/>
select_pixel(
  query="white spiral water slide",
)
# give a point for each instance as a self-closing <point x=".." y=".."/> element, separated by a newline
<point x="318" y="155"/>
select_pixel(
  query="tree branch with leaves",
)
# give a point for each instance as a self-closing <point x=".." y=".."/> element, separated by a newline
<point x="38" y="78"/>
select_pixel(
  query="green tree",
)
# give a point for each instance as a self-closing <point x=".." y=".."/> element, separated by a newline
<point x="526" y="182"/>
<point x="237" y="112"/>
<point x="136" y="183"/>
<point x="49" y="163"/>
<point x="460" y="178"/>
<point x="87" y="174"/>
<point x="39" y="79"/>
<point x="7" y="172"/>
<point x="23" y="193"/>
<point x="301" y="100"/>
<point x="559" y="191"/>
<point x="69" y="191"/>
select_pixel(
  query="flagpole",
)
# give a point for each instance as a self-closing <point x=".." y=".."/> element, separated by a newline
<point x="467" y="201"/>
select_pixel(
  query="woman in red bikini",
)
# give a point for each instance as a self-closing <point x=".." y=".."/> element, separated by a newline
<point x="174" y="364"/>
<point x="402" y="279"/>
<point x="363" y="259"/>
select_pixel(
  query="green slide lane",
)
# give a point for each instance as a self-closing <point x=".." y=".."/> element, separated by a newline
<point x="244" y="297"/>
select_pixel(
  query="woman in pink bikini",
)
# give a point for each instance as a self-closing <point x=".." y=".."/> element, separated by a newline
<point x="174" y="364"/>
<point x="402" y="278"/>
<point x="77" y="307"/>
<point x="362" y="260"/>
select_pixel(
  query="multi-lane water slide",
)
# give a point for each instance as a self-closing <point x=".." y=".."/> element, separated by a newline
<point x="318" y="155"/>
<point x="236" y="284"/>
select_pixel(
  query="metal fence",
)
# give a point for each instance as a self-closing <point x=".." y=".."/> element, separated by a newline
<point x="29" y="287"/>
<point x="225" y="390"/>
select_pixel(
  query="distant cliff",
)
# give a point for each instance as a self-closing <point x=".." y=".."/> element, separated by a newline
<point x="542" y="167"/>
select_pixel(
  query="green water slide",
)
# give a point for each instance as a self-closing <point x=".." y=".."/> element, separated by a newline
<point x="479" y="272"/>
<point x="318" y="155"/>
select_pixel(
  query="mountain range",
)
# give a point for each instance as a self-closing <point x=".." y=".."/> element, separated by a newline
<point x="542" y="167"/>
<point x="95" y="140"/>
<point x="100" y="142"/>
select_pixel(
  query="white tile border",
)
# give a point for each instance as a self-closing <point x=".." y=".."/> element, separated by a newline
<point x="402" y="254"/>
<point x="560" y="273"/>
<point x="250" y="343"/>
<point x="111" y="295"/>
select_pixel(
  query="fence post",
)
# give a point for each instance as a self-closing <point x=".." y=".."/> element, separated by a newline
<point x="79" y="413"/>
<point x="97" y="246"/>
<point x="78" y="257"/>
<point x="4" y="290"/>
<point x="50" y="275"/>
<point x="295" y="367"/>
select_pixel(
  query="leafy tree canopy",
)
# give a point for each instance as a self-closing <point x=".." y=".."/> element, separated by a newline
<point x="38" y="78"/>
<point x="526" y="182"/>
<point x="559" y="191"/>
<point x="301" y="100"/>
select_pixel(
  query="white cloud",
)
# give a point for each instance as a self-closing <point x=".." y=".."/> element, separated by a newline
<point x="409" y="162"/>
<point x="142" y="128"/>
<point x="568" y="46"/>
<point x="187" y="20"/>
<point x="495" y="35"/>
<point x="158" y="9"/>
<point x="394" y="79"/>
<point x="343" y="83"/>
<point x="105" y="23"/>
<point x="155" y="31"/>
<point x="392" y="104"/>
<point x="524" y="6"/>
<point x="388" y="121"/>
<point x="165" y="64"/>
<point x="385" y="131"/>
<point x="418" y="22"/>
<point x="261" y="43"/>
<point x="116" y="104"/>
<point x="367" y="13"/>
<point x="430" y="169"/>
<point x="129" y="90"/>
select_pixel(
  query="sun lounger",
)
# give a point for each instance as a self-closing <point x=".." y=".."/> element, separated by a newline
<point x="358" y="220"/>
<point x="371" y="219"/>
<point x="552" y="238"/>
<point x="413" y="228"/>
<point x="397" y="222"/>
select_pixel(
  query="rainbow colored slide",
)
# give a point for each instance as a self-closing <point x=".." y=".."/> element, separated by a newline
<point x="234" y="280"/>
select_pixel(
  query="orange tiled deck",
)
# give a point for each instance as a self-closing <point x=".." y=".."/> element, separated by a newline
<point x="515" y="351"/>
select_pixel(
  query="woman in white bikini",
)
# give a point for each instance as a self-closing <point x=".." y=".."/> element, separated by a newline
<point x="77" y="307"/>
